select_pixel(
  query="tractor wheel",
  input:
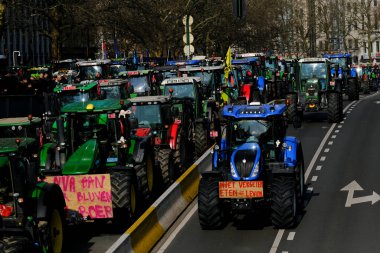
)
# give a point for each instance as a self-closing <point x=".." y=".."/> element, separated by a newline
<point x="210" y="208"/>
<point x="334" y="113"/>
<point x="16" y="245"/>
<point x="284" y="202"/>
<point x="124" y="197"/>
<point x="300" y="178"/>
<point x="292" y="112"/>
<point x="181" y="156"/>
<point x="351" y="89"/>
<point x="200" y="140"/>
<point x="51" y="231"/>
<point x="164" y="159"/>
<point x="365" y="86"/>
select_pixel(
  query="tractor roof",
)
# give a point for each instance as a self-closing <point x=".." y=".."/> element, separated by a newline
<point x="8" y="145"/>
<point x="165" y="68"/>
<point x="245" y="60"/>
<point x="201" y="68"/>
<point x="133" y="73"/>
<point x="147" y="99"/>
<point x="247" y="55"/>
<point x="179" y="80"/>
<point x="253" y="111"/>
<point x="99" y="106"/>
<point x="19" y="121"/>
<point x="82" y="86"/>
<point x="112" y="82"/>
<point x="313" y="60"/>
<point x="337" y="55"/>
<point x="93" y="62"/>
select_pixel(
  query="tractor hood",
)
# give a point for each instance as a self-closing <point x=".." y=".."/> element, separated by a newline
<point x="245" y="162"/>
<point x="82" y="160"/>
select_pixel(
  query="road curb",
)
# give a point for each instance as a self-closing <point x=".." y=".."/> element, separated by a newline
<point x="152" y="225"/>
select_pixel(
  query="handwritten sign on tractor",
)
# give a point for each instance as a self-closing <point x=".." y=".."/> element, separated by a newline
<point x="90" y="195"/>
<point x="241" y="189"/>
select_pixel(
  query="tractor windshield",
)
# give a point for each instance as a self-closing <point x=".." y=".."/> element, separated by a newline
<point x="181" y="90"/>
<point x="147" y="115"/>
<point x="244" y="131"/>
<point x="115" y="92"/>
<point x="116" y="69"/>
<point x="88" y="126"/>
<point x="342" y="62"/>
<point x="313" y="70"/>
<point x="140" y="84"/>
<point x="18" y="131"/>
<point x="89" y="72"/>
<point x="69" y="97"/>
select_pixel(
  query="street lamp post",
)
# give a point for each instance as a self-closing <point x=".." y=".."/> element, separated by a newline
<point x="18" y="54"/>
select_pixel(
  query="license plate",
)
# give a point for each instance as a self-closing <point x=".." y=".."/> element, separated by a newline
<point x="241" y="189"/>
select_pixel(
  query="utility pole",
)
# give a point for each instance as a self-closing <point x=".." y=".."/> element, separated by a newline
<point x="312" y="28"/>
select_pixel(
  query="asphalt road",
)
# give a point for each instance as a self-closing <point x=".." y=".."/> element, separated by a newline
<point x="335" y="155"/>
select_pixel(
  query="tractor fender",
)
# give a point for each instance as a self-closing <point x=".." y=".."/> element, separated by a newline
<point x="141" y="149"/>
<point x="280" y="168"/>
<point x="290" y="151"/>
<point x="44" y="153"/>
<point x="173" y="133"/>
<point x="48" y="196"/>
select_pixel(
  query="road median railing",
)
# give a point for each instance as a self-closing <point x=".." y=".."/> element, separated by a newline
<point x="157" y="219"/>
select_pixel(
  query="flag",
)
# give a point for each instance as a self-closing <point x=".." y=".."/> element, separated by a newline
<point x="104" y="50"/>
<point x="228" y="63"/>
<point x="116" y="47"/>
<point x="134" y="57"/>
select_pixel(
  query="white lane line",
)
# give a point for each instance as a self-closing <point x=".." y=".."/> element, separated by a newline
<point x="176" y="231"/>
<point x="330" y="143"/>
<point x="277" y="240"/>
<point x="319" y="167"/>
<point x="348" y="112"/>
<point x="310" y="189"/>
<point x="337" y="131"/>
<point x="342" y="122"/>
<point x="285" y="252"/>
<point x="314" y="178"/>
<point x="291" y="236"/>
<point x="345" y="118"/>
<point x="333" y="136"/>
<point x="307" y="173"/>
<point x="340" y="126"/>
<point x="323" y="158"/>
<point x="326" y="150"/>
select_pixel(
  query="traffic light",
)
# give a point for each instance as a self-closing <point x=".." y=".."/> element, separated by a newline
<point x="239" y="8"/>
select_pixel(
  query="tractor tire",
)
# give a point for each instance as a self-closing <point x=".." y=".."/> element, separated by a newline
<point x="200" y="140"/>
<point x="352" y="90"/>
<point x="284" y="202"/>
<point x="181" y="156"/>
<point x="292" y="112"/>
<point x="16" y="245"/>
<point x="164" y="158"/>
<point x="300" y="178"/>
<point x="210" y="208"/>
<point x="124" y="197"/>
<point x="365" y="87"/>
<point x="51" y="230"/>
<point x="334" y="110"/>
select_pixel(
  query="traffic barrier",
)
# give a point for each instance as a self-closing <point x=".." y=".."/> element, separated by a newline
<point x="152" y="225"/>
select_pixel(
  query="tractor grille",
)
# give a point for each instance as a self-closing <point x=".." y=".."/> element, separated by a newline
<point x="244" y="168"/>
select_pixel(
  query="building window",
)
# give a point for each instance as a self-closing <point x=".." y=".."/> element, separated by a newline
<point x="365" y="47"/>
<point x="349" y="43"/>
<point x="326" y="45"/>
<point x="377" y="46"/>
<point x="375" y="2"/>
<point x="356" y="43"/>
<point x="320" y="45"/>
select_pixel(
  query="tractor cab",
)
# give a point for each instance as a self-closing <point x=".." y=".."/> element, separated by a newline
<point x="118" y="66"/>
<point x="93" y="70"/>
<point x="115" y="89"/>
<point x="142" y="81"/>
<point x="76" y="92"/>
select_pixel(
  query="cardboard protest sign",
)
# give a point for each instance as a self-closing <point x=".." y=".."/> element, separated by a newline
<point x="90" y="195"/>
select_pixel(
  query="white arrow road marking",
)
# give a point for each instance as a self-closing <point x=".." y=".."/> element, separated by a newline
<point x="354" y="186"/>
<point x="377" y="102"/>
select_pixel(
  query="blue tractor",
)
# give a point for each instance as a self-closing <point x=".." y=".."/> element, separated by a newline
<point x="345" y="76"/>
<point x="254" y="165"/>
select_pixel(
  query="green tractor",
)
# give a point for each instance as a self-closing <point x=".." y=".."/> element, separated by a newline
<point x="32" y="212"/>
<point x="142" y="81"/>
<point x="116" y="89"/>
<point x="205" y="118"/>
<point x="98" y="142"/>
<point x="314" y="91"/>
<point x="76" y="92"/>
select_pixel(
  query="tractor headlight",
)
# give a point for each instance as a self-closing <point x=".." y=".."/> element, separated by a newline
<point x="255" y="170"/>
<point x="233" y="172"/>
<point x="307" y="93"/>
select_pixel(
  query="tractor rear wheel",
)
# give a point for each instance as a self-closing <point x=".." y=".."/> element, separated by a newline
<point x="365" y="87"/>
<point x="300" y="178"/>
<point x="284" y="202"/>
<point x="334" y="110"/>
<point x="292" y="112"/>
<point x="51" y="231"/>
<point x="164" y="159"/>
<point x="124" y="197"/>
<point x="210" y="208"/>
<point x="200" y="140"/>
